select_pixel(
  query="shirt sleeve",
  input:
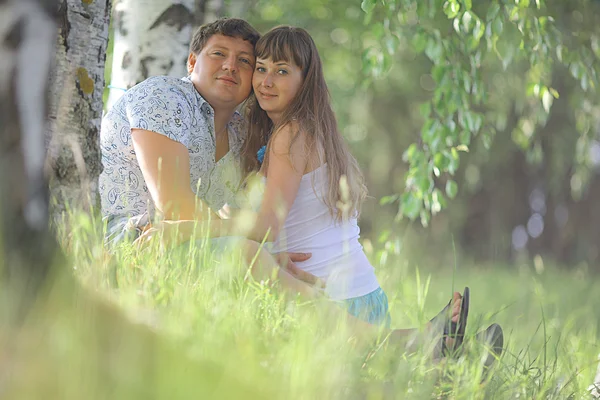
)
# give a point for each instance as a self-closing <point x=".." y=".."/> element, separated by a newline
<point x="162" y="107"/>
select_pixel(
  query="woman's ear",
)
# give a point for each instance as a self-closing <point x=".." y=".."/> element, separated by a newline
<point x="191" y="63"/>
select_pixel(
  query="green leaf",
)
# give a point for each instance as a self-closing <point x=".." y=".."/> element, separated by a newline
<point x="451" y="8"/>
<point x="478" y="31"/>
<point x="547" y="100"/>
<point x="425" y="217"/>
<point x="368" y="5"/>
<point x="440" y="161"/>
<point x="465" y="137"/>
<point x="409" y="154"/>
<point x="424" y="182"/>
<point x="388" y="199"/>
<point x="487" y="138"/>
<point x="391" y="43"/>
<point x="492" y="11"/>
<point x="436" y="205"/>
<point x="468" y="4"/>
<point x="410" y="205"/>
<point x="419" y="42"/>
<point x="438" y="72"/>
<point x="454" y="161"/>
<point x="451" y="189"/>
<point x="434" y="50"/>
<point x="467" y="21"/>
<point x="497" y="26"/>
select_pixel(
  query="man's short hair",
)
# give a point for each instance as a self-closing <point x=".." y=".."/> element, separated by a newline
<point x="233" y="27"/>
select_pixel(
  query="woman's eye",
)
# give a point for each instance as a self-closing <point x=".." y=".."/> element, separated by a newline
<point x="260" y="69"/>
<point x="282" y="72"/>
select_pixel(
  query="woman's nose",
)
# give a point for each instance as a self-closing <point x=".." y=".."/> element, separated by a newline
<point x="268" y="81"/>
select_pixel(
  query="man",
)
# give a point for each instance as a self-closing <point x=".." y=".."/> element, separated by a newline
<point x="171" y="147"/>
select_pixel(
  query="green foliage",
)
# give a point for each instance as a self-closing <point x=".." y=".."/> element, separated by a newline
<point x="463" y="42"/>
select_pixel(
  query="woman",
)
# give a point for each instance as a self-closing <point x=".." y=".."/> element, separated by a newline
<point x="313" y="186"/>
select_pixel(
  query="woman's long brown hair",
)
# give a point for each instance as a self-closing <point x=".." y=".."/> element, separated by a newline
<point x="312" y="114"/>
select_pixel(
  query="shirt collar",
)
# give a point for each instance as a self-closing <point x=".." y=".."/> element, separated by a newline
<point x="205" y="106"/>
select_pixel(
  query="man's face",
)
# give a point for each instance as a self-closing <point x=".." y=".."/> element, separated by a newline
<point x="222" y="72"/>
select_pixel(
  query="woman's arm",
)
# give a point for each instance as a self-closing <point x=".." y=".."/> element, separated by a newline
<point x="165" y="165"/>
<point x="284" y="172"/>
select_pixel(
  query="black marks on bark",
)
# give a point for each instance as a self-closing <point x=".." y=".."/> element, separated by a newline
<point x="65" y="164"/>
<point x="200" y="10"/>
<point x="170" y="65"/>
<point x="144" y="65"/>
<point x="83" y="14"/>
<point x="15" y="35"/>
<point x="177" y="15"/>
<point x="126" y="62"/>
<point x="63" y="24"/>
<point x="120" y="23"/>
<point x="107" y="9"/>
<point x="185" y="62"/>
<point x="102" y="54"/>
<point x="10" y="141"/>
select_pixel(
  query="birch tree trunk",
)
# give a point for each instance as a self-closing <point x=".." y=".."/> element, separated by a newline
<point x="27" y="36"/>
<point x="77" y="83"/>
<point x="151" y="38"/>
<point x="75" y="346"/>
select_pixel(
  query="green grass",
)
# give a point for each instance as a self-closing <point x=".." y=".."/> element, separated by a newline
<point x="196" y="301"/>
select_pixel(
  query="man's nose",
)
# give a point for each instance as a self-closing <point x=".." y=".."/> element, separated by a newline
<point x="230" y="64"/>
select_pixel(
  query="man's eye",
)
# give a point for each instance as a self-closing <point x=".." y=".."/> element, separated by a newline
<point x="245" y="61"/>
<point x="218" y="53"/>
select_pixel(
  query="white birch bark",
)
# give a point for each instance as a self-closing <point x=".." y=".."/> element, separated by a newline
<point x="151" y="38"/>
<point x="27" y="38"/>
<point x="76" y="86"/>
<point x="212" y="9"/>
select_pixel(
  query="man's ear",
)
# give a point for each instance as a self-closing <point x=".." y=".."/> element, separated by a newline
<point x="191" y="62"/>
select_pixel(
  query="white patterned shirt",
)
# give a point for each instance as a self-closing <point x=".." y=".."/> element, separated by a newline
<point x="174" y="108"/>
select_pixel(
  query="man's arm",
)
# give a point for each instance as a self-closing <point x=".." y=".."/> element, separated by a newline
<point x="165" y="165"/>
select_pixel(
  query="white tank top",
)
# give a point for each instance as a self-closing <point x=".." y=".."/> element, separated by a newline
<point x="337" y="255"/>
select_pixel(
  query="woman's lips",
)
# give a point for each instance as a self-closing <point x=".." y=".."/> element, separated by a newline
<point x="266" y="96"/>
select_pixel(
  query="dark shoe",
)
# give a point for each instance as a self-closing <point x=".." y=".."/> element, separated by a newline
<point x="451" y="329"/>
<point x="492" y="341"/>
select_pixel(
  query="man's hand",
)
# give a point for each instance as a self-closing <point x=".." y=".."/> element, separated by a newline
<point x="169" y="232"/>
<point x="287" y="260"/>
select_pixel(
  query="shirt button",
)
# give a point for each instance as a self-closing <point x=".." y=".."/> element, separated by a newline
<point x="208" y="112"/>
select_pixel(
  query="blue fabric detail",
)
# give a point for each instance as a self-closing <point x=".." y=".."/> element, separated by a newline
<point x="260" y="154"/>
<point x="371" y="308"/>
<point x="123" y="229"/>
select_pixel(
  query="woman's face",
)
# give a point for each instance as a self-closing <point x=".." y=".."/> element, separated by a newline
<point x="276" y="85"/>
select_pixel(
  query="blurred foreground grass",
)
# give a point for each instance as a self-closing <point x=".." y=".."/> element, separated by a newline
<point x="195" y="329"/>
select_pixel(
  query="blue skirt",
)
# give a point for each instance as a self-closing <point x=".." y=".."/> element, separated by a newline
<point x="371" y="308"/>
